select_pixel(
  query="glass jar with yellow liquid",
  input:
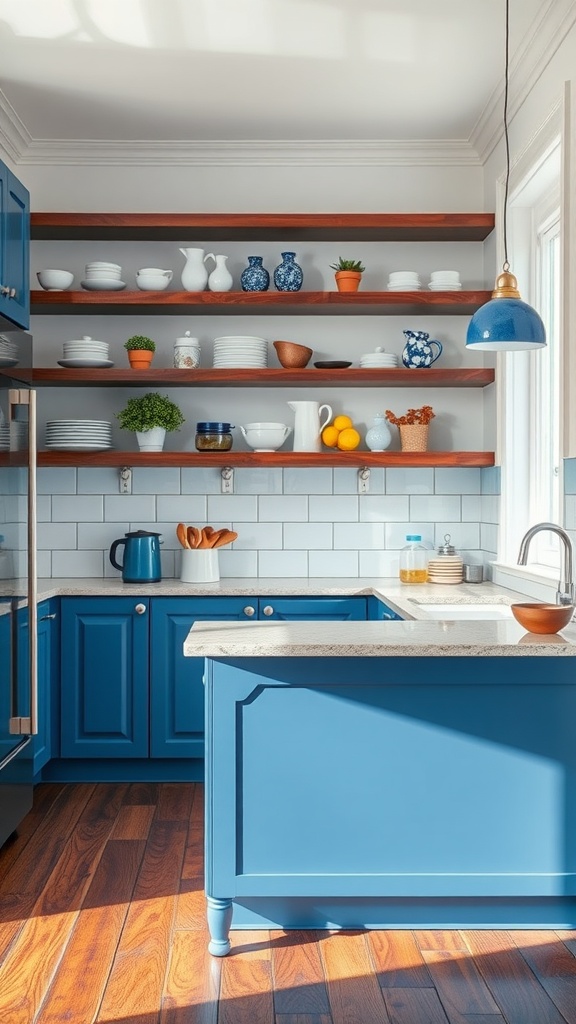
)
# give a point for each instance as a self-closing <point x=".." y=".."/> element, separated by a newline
<point x="413" y="560"/>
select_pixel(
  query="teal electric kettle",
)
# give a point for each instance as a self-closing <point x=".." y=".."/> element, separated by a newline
<point x="141" y="562"/>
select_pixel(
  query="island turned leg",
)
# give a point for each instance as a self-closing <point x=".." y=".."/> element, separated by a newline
<point x="219" y="916"/>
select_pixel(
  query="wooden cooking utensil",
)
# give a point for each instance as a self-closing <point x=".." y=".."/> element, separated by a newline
<point x="193" y="534"/>
<point x="225" y="537"/>
<point x="182" y="535"/>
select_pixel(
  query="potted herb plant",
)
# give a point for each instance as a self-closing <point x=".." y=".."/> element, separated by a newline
<point x="140" y="351"/>
<point x="348" y="274"/>
<point x="150" y="417"/>
<point x="413" y="427"/>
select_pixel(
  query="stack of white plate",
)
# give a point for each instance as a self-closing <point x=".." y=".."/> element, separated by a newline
<point x="445" y="281"/>
<point x="102" y="276"/>
<point x="447" y="569"/>
<point x="4" y="437"/>
<point x="238" y="351"/>
<point x="403" y="281"/>
<point x="8" y="352"/>
<point x="78" y="435"/>
<point x="14" y="436"/>
<point x="85" y="352"/>
<point x="378" y="358"/>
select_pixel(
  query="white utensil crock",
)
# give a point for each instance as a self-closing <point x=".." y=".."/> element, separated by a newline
<point x="200" y="565"/>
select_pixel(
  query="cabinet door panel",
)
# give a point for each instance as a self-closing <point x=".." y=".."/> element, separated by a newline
<point x="105" y="663"/>
<point x="322" y="608"/>
<point x="46" y="653"/>
<point x="176" y="682"/>
<point x="379" y="611"/>
<point x="14" y="248"/>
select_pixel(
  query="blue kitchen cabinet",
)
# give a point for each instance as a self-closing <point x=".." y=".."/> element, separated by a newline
<point x="14" y="251"/>
<point x="176" y="682"/>
<point x="45" y="742"/>
<point x="105" y="668"/>
<point x="377" y="610"/>
<point x="327" y="609"/>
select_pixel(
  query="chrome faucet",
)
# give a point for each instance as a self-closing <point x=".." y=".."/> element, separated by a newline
<point x="566" y="593"/>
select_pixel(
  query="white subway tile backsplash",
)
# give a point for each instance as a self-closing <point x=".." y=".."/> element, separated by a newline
<point x="471" y="508"/>
<point x="285" y="508"/>
<point x="309" y="536"/>
<point x="151" y="480"/>
<point x="59" y="480"/>
<point x="409" y="481"/>
<point x="379" y="563"/>
<point x="206" y="480"/>
<point x="44" y="564"/>
<point x="570" y="511"/>
<point x="307" y="481"/>
<point x="237" y="563"/>
<point x="490" y="508"/>
<point x="119" y="507"/>
<point x="240" y="507"/>
<point x="258" y="481"/>
<point x="336" y="508"/>
<point x="395" y="533"/>
<point x="346" y="481"/>
<point x="167" y="531"/>
<point x="76" y="508"/>
<point x="100" y="535"/>
<point x="98" y="480"/>
<point x="457" y="480"/>
<point x="333" y="563"/>
<point x="462" y="535"/>
<point x="283" y="563"/>
<point x="44" y="508"/>
<point x="383" y="508"/>
<point x="488" y="536"/>
<point x="177" y="509"/>
<point x="56" y="536"/>
<point x="78" y="563"/>
<point x="257" y="536"/>
<point x="358" y="536"/>
<point x="436" y="508"/>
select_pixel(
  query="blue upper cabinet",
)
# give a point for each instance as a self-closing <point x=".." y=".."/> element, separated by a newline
<point x="14" y="251"/>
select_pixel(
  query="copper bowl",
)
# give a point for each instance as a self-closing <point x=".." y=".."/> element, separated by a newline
<point x="291" y="355"/>
<point x="543" y="618"/>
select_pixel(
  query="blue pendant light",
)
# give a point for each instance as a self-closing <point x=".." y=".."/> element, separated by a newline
<point x="505" y="323"/>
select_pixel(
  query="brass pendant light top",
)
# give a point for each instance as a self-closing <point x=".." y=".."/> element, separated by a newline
<point x="506" y="286"/>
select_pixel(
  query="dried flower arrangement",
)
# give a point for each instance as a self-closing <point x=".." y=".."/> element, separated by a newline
<point x="422" y="416"/>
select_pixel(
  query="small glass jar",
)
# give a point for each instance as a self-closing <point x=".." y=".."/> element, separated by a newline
<point x="413" y="560"/>
<point x="214" y="437"/>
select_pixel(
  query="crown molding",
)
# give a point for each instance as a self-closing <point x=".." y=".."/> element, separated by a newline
<point x="250" y="153"/>
<point x="547" y="33"/>
<point x="14" y="136"/>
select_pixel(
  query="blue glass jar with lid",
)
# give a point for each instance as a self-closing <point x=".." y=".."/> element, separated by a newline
<point x="213" y="436"/>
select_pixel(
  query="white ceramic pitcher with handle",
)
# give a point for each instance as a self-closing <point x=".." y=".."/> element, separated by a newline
<point x="194" y="274"/>
<point x="307" y="425"/>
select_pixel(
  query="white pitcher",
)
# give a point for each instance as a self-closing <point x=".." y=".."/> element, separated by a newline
<point x="307" y="425"/>
<point x="220" y="279"/>
<point x="195" y="275"/>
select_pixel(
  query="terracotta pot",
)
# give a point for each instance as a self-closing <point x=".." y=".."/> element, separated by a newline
<point x="348" y="280"/>
<point x="140" y="359"/>
<point x="414" y="437"/>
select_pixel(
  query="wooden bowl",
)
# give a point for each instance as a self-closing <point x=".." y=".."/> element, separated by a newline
<point x="291" y="355"/>
<point x="543" y="618"/>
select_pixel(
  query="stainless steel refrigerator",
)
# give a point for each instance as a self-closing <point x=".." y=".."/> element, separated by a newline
<point x="18" y="620"/>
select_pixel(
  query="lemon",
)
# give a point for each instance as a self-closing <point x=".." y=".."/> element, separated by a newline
<point x="342" y="422"/>
<point x="330" y="436"/>
<point x="348" y="439"/>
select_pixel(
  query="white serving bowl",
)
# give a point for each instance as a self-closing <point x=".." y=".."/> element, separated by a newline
<point x="153" y="282"/>
<point x="154" y="271"/>
<point x="55" y="280"/>
<point x="265" y="437"/>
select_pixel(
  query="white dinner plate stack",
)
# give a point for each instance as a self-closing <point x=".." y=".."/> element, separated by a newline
<point x="8" y="351"/>
<point x="445" y="281"/>
<point x="4" y="437"/>
<point x="102" y="276"/>
<point x="378" y="359"/>
<point x="447" y="569"/>
<point x="85" y="352"/>
<point x="239" y="352"/>
<point x="79" y="435"/>
<point x="403" y="281"/>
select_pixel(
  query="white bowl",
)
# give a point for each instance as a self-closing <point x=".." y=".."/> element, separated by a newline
<point x="265" y="437"/>
<point x="55" y="280"/>
<point x="102" y="265"/>
<point x="151" y="282"/>
<point x="155" y="271"/>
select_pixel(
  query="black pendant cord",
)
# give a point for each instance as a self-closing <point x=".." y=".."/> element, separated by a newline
<point x="506" y="138"/>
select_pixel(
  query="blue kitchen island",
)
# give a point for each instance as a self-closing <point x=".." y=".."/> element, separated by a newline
<point x="388" y="775"/>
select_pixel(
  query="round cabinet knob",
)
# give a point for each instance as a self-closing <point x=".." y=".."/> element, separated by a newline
<point x="4" y="290"/>
<point x="268" y="610"/>
<point x="249" y="611"/>
<point x="140" y="609"/>
<point x="12" y="293"/>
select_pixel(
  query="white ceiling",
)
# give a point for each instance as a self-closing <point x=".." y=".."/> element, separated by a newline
<point x="158" y="70"/>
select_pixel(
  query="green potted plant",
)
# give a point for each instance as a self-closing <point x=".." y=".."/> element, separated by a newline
<point x="348" y="274"/>
<point x="140" y="351"/>
<point x="150" y="417"/>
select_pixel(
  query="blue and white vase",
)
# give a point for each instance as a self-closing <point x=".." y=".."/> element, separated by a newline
<point x="288" y="275"/>
<point x="418" y="352"/>
<point x="255" y="278"/>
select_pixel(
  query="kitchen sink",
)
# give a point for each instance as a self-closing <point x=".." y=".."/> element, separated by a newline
<point x="465" y="611"/>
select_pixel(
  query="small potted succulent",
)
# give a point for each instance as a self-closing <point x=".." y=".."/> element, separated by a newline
<point x="413" y="427"/>
<point x="150" y="417"/>
<point x="348" y="274"/>
<point x="140" y="351"/>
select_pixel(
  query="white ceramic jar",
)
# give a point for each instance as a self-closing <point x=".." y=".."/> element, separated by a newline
<point x="186" y="353"/>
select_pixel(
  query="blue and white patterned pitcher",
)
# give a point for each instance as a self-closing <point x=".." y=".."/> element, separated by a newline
<point x="417" y="353"/>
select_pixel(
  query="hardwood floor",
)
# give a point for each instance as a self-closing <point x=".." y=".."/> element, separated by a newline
<point x="102" y="920"/>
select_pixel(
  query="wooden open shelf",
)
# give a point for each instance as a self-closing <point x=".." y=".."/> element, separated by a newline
<point x="263" y="459"/>
<point x="297" y="227"/>
<point x="462" y="377"/>
<point x="455" y="303"/>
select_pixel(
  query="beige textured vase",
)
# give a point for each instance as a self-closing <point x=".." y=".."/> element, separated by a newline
<point x="414" y="437"/>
